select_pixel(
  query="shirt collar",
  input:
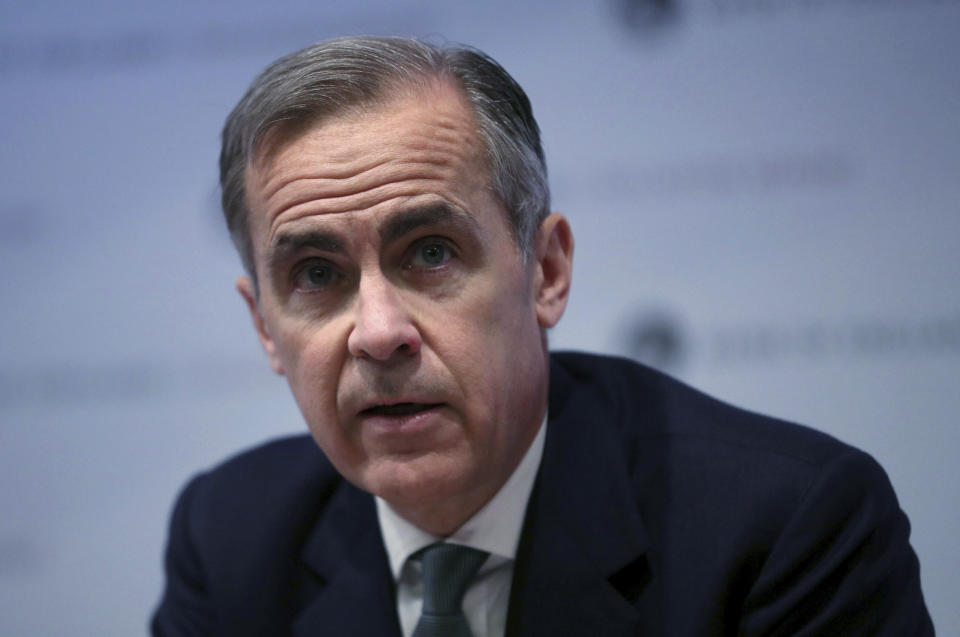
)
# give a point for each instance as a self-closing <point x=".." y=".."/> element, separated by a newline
<point x="495" y="528"/>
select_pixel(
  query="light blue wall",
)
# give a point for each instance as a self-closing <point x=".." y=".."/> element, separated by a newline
<point x="764" y="195"/>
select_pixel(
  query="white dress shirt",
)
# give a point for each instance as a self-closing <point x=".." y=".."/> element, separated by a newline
<point x="495" y="528"/>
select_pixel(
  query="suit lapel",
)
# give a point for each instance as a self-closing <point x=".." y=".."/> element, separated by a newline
<point x="580" y="564"/>
<point x="354" y="588"/>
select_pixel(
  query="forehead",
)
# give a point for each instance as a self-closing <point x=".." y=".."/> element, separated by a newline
<point x="416" y="144"/>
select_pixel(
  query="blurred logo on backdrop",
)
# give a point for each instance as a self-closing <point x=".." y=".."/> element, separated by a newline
<point x="648" y="19"/>
<point x="646" y="16"/>
<point x="658" y="337"/>
<point x="655" y="337"/>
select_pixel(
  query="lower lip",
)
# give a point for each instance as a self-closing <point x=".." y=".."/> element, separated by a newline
<point x="405" y="424"/>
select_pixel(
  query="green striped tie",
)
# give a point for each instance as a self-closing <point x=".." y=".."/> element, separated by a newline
<point x="447" y="571"/>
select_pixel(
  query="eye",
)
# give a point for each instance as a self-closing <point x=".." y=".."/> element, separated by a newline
<point x="315" y="275"/>
<point x="431" y="253"/>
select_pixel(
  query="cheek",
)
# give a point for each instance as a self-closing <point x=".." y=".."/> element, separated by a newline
<point x="508" y="321"/>
<point x="313" y="363"/>
<point x="490" y="340"/>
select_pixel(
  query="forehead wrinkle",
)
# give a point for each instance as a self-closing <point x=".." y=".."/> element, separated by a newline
<point x="305" y="188"/>
<point x="323" y="196"/>
<point x="444" y="135"/>
<point x="358" y="203"/>
<point x="336" y="171"/>
<point x="354" y="163"/>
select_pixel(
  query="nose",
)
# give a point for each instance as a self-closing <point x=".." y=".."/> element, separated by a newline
<point x="383" y="325"/>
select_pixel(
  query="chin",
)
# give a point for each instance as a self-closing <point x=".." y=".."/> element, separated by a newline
<point x="420" y="483"/>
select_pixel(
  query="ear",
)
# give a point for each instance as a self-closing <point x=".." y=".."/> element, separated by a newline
<point x="554" y="269"/>
<point x="246" y="290"/>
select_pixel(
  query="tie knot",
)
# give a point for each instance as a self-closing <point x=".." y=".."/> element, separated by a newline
<point x="447" y="571"/>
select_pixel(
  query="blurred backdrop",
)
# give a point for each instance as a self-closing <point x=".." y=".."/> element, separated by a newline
<point x="764" y="195"/>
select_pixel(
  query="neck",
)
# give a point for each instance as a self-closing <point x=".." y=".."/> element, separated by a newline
<point x="445" y="514"/>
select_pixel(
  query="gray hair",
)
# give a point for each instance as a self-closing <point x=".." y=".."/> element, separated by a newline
<point x="328" y="78"/>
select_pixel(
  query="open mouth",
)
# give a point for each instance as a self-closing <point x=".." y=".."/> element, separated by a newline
<point x="398" y="409"/>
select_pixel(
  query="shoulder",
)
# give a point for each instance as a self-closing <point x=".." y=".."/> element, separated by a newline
<point x="764" y="518"/>
<point x="731" y="468"/>
<point x="648" y="405"/>
<point x="236" y="536"/>
<point x="267" y="471"/>
<point x="281" y="463"/>
<point x="251" y="498"/>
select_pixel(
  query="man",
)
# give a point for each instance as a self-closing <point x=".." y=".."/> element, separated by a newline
<point x="389" y="201"/>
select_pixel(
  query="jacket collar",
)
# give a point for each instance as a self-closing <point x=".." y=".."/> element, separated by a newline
<point x="352" y="590"/>
<point x="581" y="563"/>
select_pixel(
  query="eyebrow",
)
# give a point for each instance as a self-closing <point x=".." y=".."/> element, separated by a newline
<point x="289" y="244"/>
<point x="440" y="213"/>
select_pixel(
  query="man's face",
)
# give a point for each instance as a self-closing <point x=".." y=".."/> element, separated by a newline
<point x="395" y="301"/>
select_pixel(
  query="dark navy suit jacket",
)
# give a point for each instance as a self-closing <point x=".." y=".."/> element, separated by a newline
<point x="656" y="511"/>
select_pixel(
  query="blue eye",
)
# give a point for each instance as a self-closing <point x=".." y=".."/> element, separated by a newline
<point x="316" y="275"/>
<point x="430" y="254"/>
<point x="433" y="253"/>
